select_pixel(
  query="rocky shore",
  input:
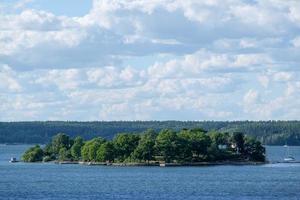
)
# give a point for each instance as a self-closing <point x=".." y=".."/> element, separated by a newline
<point x="158" y="164"/>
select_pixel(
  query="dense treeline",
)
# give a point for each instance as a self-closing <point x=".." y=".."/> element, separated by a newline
<point x="268" y="132"/>
<point x="185" y="146"/>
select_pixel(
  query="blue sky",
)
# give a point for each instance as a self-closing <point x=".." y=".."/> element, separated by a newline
<point x="149" y="60"/>
<point x="71" y="8"/>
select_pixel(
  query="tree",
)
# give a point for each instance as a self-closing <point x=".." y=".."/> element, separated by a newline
<point x="90" y="148"/>
<point x="33" y="154"/>
<point x="254" y="150"/>
<point x="167" y="143"/>
<point x="184" y="146"/>
<point x="197" y="140"/>
<point x="125" y="144"/>
<point x="238" y="139"/>
<point x="59" y="141"/>
<point x="201" y="130"/>
<point x="106" y="152"/>
<point x="219" y="138"/>
<point x="76" y="148"/>
<point x="48" y="151"/>
<point x="216" y="152"/>
<point x="64" y="154"/>
<point x="145" y="149"/>
<point x="184" y="149"/>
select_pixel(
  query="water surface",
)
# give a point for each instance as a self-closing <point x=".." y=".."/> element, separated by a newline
<point x="50" y="181"/>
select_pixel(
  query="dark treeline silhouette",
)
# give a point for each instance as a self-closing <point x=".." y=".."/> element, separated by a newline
<point x="268" y="132"/>
<point x="185" y="146"/>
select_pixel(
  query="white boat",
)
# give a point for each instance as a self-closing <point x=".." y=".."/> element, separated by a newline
<point x="13" y="160"/>
<point x="288" y="158"/>
<point x="162" y="164"/>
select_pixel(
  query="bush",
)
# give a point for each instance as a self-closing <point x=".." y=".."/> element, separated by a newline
<point x="33" y="154"/>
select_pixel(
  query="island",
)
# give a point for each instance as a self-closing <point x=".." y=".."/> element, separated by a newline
<point x="188" y="147"/>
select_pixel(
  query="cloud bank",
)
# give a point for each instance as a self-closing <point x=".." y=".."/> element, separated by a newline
<point x="152" y="60"/>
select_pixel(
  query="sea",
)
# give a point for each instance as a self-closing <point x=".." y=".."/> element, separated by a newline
<point x="53" y="181"/>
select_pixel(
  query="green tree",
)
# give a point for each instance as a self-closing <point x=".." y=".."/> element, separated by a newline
<point x="145" y="149"/>
<point x="197" y="140"/>
<point x="125" y="144"/>
<point x="184" y="149"/>
<point x="167" y="144"/>
<point x="76" y="148"/>
<point x="33" y="154"/>
<point x="90" y="148"/>
<point x="48" y="151"/>
<point x="219" y="138"/>
<point x="238" y="139"/>
<point x="201" y="130"/>
<point x="254" y="150"/>
<point x="215" y="153"/>
<point x="64" y="154"/>
<point x="59" y="141"/>
<point x="106" y="152"/>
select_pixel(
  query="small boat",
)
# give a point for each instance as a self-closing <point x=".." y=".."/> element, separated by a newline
<point x="13" y="160"/>
<point x="288" y="158"/>
<point x="162" y="164"/>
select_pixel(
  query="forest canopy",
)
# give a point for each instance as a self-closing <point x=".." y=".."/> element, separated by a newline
<point x="169" y="146"/>
<point x="268" y="132"/>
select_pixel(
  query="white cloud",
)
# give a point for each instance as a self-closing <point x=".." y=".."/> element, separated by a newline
<point x="278" y="103"/>
<point x="113" y="77"/>
<point x="251" y="97"/>
<point x="294" y="12"/>
<point x="264" y="80"/>
<point x="8" y="81"/>
<point x="22" y="3"/>
<point x="204" y="61"/>
<point x="229" y="60"/>
<point x="114" y="29"/>
<point x="63" y="79"/>
<point x="296" y="42"/>
<point x="282" y="76"/>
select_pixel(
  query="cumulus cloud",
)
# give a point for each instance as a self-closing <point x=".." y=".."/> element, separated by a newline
<point x="22" y="3"/>
<point x="160" y="59"/>
<point x="283" y="76"/>
<point x="251" y="97"/>
<point x="8" y="81"/>
<point x="296" y="42"/>
<point x="264" y="80"/>
<point x="116" y="29"/>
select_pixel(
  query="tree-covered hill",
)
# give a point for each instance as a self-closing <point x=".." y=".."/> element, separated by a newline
<point x="185" y="147"/>
<point x="269" y="132"/>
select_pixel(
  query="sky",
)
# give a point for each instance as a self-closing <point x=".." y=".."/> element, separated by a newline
<point x="104" y="60"/>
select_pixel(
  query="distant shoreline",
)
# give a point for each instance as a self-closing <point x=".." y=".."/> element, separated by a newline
<point x="41" y="132"/>
<point x="236" y="163"/>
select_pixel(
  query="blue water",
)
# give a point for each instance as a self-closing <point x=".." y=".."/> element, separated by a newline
<point x="51" y="181"/>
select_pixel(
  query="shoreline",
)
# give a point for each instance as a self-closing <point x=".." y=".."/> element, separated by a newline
<point x="196" y="164"/>
<point x="162" y="164"/>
